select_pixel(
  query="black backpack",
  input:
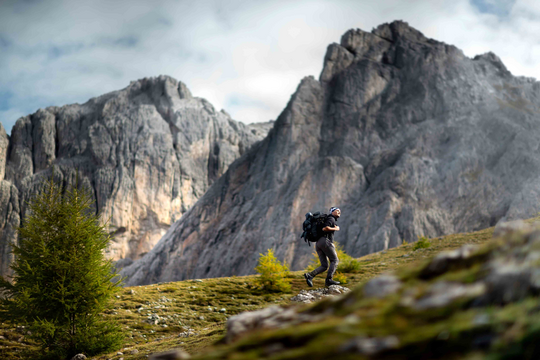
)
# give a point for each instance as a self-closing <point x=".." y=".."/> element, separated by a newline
<point x="313" y="226"/>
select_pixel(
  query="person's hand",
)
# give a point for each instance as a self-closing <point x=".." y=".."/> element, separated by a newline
<point x="337" y="228"/>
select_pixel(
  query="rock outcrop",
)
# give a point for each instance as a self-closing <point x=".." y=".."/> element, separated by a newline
<point x="484" y="305"/>
<point x="147" y="152"/>
<point x="279" y="316"/>
<point x="309" y="296"/>
<point x="406" y="134"/>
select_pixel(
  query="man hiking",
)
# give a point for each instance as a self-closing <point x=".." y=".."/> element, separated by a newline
<point x="326" y="249"/>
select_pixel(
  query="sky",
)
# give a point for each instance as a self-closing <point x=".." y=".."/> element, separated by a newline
<point x="246" y="57"/>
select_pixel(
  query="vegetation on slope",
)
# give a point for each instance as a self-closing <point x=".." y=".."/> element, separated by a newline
<point x="473" y="303"/>
<point x="192" y="314"/>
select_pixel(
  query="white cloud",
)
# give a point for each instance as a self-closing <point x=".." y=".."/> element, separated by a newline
<point x="59" y="52"/>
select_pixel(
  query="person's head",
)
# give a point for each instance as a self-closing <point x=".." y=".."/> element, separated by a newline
<point x="335" y="211"/>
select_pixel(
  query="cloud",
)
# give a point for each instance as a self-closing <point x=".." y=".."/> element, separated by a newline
<point x="246" y="57"/>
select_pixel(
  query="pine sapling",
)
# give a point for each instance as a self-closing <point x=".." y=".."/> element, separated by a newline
<point x="62" y="282"/>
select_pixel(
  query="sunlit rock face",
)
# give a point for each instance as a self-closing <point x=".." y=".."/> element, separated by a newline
<point x="147" y="153"/>
<point x="406" y="134"/>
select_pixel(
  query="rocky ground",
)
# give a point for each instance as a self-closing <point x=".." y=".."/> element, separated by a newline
<point x="474" y="302"/>
<point x="192" y="315"/>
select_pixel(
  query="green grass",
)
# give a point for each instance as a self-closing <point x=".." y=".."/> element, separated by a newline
<point x="181" y="305"/>
<point x="455" y="331"/>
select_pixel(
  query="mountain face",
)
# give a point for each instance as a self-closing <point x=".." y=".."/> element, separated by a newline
<point x="406" y="134"/>
<point x="147" y="152"/>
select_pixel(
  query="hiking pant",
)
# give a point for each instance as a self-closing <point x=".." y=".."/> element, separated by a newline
<point x="325" y="248"/>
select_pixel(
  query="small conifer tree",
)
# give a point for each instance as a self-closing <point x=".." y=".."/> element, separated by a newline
<point x="273" y="274"/>
<point x="62" y="282"/>
<point x="422" y="243"/>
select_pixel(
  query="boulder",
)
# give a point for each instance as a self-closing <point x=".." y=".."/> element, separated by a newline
<point x="381" y="286"/>
<point x="308" y="296"/>
<point x="176" y="354"/>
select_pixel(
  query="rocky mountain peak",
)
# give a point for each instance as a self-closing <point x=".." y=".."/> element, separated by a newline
<point x="406" y="134"/>
<point x="398" y="31"/>
<point x="495" y="61"/>
<point x="148" y="152"/>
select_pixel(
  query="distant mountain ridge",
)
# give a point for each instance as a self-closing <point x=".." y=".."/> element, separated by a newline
<point x="406" y="134"/>
<point x="147" y="152"/>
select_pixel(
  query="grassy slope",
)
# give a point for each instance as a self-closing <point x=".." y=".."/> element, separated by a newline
<point x="182" y="304"/>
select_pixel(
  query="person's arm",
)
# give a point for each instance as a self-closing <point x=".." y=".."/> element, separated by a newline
<point x="330" y="225"/>
<point x="330" y="228"/>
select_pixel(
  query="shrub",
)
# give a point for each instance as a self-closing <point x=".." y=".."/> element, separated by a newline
<point x="62" y="282"/>
<point x="422" y="243"/>
<point x="273" y="274"/>
<point x="338" y="276"/>
<point x="347" y="264"/>
<point x="404" y="243"/>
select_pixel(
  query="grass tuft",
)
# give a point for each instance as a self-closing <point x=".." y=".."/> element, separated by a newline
<point x="422" y="243"/>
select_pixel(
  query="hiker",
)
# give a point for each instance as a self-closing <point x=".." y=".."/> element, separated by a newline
<point x="326" y="249"/>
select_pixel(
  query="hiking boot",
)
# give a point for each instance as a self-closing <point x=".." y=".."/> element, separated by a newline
<point x="308" y="280"/>
<point x="330" y="282"/>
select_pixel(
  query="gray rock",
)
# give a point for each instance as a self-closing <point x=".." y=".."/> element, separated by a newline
<point x="505" y="228"/>
<point x="276" y="316"/>
<point x="381" y="286"/>
<point x="9" y="221"/>
<point x="309" y="296"/>
<point x="370" y="346"/>
<point x="509" y="281"/>
<point x="335" y="290"/>
<point x="269" y="318"/>
<point x="147" y="152"/>
<point x="444" y="293"/>
<point x="153" y="319"/>
<point x="79" y="357"/>
<point x="123" y="263"/>
<point x="406" y="134"/>
<point x="261" y="129"/>
<point x="446" y="259"/>
<point x="187" y="333"/>
<point x="177" y="354"/>
<point x="4" y="143"/>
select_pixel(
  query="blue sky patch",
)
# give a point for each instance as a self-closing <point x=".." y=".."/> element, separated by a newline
<point x="55" y="51"/>
<point x="127" y="41"/>
<point x="4" y="42"/>
<point x="5" y="97"/>
<point x="496" y="7"/>
<point x="237" y="100"/>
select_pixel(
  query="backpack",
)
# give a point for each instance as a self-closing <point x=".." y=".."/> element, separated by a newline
<point x="312" y="227"/>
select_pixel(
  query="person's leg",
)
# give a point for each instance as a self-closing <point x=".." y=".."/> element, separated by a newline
<point x="330" y="251"/>
<point x="322" y="258"/>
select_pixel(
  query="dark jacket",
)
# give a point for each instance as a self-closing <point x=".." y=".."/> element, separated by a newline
<point x="330" y="221"/>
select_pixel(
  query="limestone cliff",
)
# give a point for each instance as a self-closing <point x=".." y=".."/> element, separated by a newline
<point x="406" y="134"/>
<point x="148" y="152"/>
